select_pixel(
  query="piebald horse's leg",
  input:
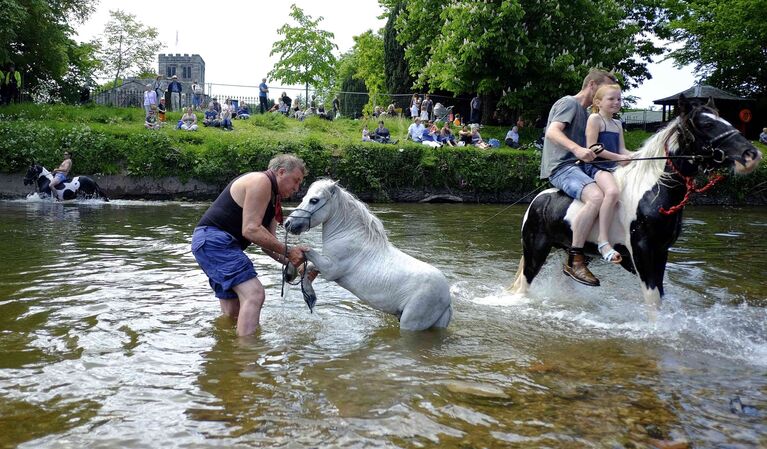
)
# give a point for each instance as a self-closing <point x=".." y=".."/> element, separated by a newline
<point x="650" y="259"/>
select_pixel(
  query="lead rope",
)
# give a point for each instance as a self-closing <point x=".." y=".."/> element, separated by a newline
<point x="689" y="185"/>
<point x="300" y="280"/>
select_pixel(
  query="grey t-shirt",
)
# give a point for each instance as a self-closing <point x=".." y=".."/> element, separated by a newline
<point x="566" y="110"/>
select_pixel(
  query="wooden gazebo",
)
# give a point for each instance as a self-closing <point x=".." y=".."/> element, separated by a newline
<point x="731" y="107"/>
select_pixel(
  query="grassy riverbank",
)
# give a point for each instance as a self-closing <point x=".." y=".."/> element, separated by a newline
<point x="107" y="140"/>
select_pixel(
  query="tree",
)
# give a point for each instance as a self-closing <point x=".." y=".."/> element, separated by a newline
<point x="524" y="54"/>
<point x="398" y="79"/>
<point x="36" y="37"/>
<point x="725" y="40"/>
<point x="369" y="53"/>
<point x="126" y="46"/>
<point x="306" y="52"/>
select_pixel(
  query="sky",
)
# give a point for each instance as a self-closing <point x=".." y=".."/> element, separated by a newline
<point x="234" y="37"/>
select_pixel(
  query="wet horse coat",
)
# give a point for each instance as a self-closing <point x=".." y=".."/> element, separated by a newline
<point x="653" y="192"/>
<point x="357" y="255"/>
<point x="79" y="186"/>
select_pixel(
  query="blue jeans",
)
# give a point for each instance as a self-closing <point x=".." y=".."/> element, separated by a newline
<point x="219" y="255"/>
<point x="571" y="179"/>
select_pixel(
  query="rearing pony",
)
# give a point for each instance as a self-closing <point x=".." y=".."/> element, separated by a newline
<point x="653" y="193"/>
<point x="357" y="255"/>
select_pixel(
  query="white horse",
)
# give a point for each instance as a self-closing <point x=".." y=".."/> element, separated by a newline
<point x="357" y="255"/>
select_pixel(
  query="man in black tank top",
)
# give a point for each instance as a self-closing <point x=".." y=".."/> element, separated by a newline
<point x="246" y="212"/>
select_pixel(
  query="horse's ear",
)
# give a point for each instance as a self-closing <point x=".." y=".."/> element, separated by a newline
<point x="710" y="103"/>
<point x="334" y="188"/>
<point x="683" y="104"/>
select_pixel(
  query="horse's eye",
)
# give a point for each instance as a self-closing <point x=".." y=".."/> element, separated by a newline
<point x="314" y="201"/>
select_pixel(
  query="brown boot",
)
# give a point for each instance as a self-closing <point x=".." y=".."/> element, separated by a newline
<point x="576" y="268"/>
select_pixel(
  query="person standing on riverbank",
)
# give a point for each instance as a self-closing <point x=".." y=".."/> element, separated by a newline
<point x="246" y="212"/>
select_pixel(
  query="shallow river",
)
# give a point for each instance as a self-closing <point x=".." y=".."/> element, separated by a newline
<point x="110" y="338"/>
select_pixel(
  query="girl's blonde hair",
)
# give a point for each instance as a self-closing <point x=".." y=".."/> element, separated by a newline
<point x="600" y="94"/>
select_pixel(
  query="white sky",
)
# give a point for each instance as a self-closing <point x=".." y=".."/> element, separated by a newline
<point x="222" y="31"/>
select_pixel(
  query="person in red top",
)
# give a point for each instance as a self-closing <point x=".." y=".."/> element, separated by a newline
<point x="246" y="212"/>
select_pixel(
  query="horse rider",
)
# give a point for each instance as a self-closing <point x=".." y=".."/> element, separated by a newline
<point x="564" y="143"/>
<point x="61" y="173"/>
<point x="247" y="211"/>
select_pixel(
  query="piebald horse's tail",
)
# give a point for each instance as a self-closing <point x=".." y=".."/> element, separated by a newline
<point x="101" y="193"/>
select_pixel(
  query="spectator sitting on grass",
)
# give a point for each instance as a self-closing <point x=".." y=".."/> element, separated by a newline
<point x="431" y="136"/>
<point x="243" y="112"/>
<point x="189" y="120"/>
<point x="381" y="134"/>
<point x="512" y="137"/>
<point x="211" y="117"/>
<point x="365" y="134"/>
<point x="464" y="136"/>
<point x="151" y="119"/>
<point x="763" y="136"/>
<point x="446" y="136"/>
<point x="391" y="111"/>
<point x="226" y="115"/>
<point x="476" y="138"/>
<point x="415" y="130"/>
<point x="275" y="108"/>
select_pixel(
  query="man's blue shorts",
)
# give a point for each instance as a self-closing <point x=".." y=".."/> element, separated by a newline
<point x="571" y="179"/>
<point x="61" y="177"/>
<point x="219" y="255"/>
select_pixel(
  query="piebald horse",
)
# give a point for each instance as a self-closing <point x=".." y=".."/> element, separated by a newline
<point x="357" y="255"/>
<point x="79" y="186"/>
<point x="653" y="192"/>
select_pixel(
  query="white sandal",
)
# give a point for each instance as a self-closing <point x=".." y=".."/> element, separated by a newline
<point x="610" y="255"/>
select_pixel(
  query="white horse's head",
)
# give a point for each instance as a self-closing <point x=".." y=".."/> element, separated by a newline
<point x="316" y="207"/>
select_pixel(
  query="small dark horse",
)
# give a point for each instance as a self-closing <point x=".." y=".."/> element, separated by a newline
<point x="77" y="187"/>
<point x="653" y="193"/>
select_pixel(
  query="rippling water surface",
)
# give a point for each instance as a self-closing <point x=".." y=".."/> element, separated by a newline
<point x="110" y="338"/>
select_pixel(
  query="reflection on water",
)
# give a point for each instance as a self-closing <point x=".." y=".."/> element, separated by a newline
<point x="110" y="338"/>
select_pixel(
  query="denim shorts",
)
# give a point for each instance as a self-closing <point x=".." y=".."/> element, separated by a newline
<point x="571" y="179"/>
<point x="219" y="255"/>
<point x="593" y="169"/>
<point x="60" y="176"/>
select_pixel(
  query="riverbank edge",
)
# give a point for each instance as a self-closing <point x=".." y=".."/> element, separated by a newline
<point x="176" y="189"/>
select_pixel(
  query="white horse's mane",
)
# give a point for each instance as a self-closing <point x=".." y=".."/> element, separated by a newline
<point x="352" y="210"/>
<point x="637" y="174"/>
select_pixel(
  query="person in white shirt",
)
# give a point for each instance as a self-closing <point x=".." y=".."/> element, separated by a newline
<point x="415" y="130"/>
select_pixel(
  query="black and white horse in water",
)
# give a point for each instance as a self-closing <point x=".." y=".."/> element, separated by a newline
<point x="77" y="187"/>
<point x="357" y="255"/>
<point x="653" y="192"/>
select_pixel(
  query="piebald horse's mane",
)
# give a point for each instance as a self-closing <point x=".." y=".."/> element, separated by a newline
<point x="352" y="210"/>
<point x="638" y="174"/>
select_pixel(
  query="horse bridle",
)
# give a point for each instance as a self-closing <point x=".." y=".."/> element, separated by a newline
<point x="311" y="213"/>
<point x="715" y="154"/>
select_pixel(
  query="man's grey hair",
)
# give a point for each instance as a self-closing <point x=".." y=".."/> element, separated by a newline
<point x="289" y="162"/>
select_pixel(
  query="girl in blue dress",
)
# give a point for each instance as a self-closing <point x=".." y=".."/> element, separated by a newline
<point x="603" y="129"/>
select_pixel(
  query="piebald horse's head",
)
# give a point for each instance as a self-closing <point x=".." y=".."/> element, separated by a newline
<point x="33" y="173"/>
<point x="713" y="140"/>
<point x="315" y="208"/>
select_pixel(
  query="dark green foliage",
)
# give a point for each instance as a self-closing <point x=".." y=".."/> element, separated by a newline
<point x="398" y="79"/>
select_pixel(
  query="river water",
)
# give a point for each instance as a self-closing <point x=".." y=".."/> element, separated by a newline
<point x="110" y="338"/>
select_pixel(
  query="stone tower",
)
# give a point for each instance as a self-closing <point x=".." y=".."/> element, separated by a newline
<point x="186" y="67"/>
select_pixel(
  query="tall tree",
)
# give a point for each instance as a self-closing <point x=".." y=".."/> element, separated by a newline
<point x="725" y="40"/>
<point x="369" y="52"/>
<point x="306" y="52"/>
<point x="36" y="36"/>
<point x="398" y="79"/>
<point x="126" y="46"/>
<point x="523" y="53"/>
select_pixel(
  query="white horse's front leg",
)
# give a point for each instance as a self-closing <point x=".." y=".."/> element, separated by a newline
<point x="330" y="269"/>
<point x="310" y="273"/>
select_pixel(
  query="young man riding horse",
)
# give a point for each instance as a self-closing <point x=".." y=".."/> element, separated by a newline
<point x="563" y="144"/>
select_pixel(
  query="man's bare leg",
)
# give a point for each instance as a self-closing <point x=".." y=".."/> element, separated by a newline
<point x="251" y="297"/>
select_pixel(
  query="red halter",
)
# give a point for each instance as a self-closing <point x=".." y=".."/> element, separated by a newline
<point x="690" y="184"/>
